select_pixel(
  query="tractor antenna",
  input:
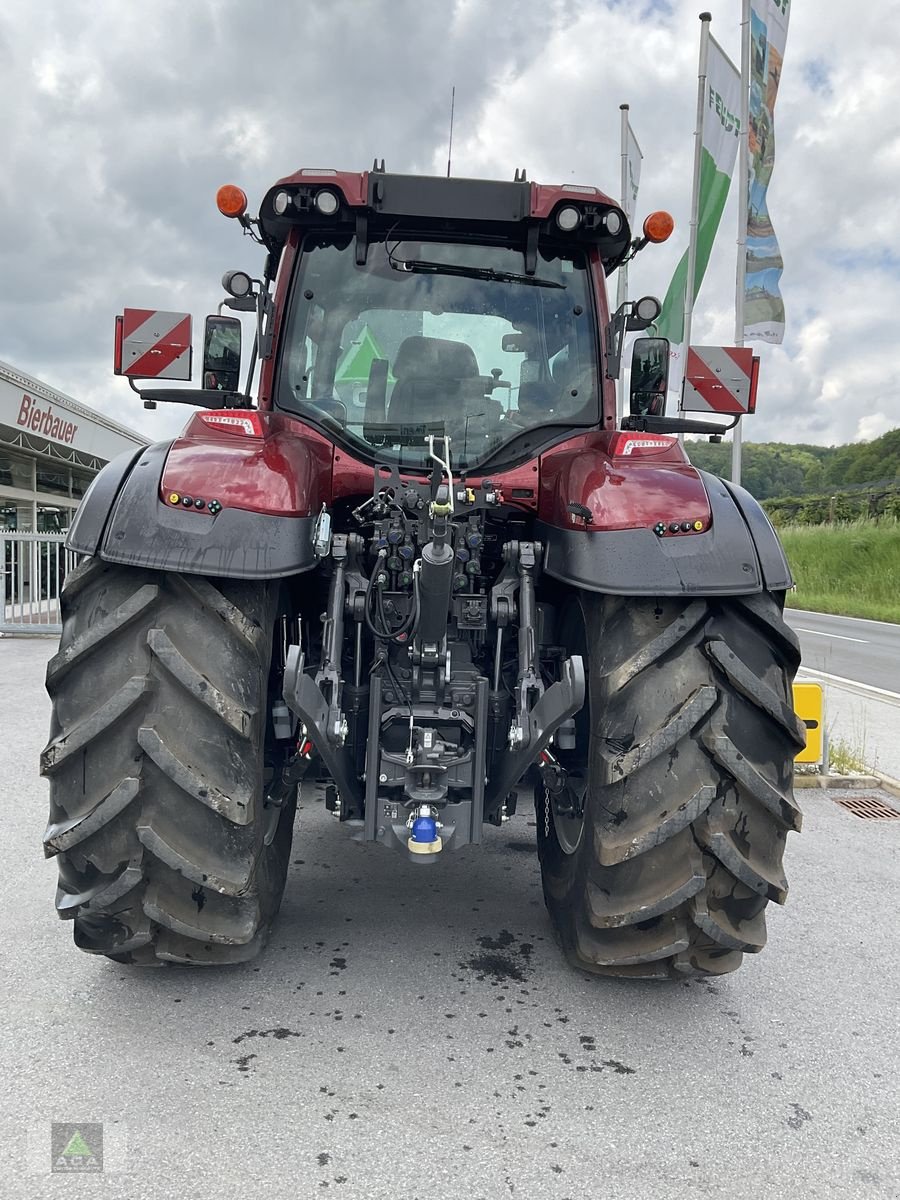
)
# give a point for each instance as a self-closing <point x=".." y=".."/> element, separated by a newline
<point x="450" y="143"/>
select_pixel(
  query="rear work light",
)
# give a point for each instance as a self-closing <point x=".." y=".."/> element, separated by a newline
<point x="237" y="283"/>
<point x="327" y="202"/>
<point x="568" y="218"/>
<point x="647" y="308"/>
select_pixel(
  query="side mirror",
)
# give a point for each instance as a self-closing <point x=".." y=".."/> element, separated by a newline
<point x="222" y="354"/>
<point x="649" y="376"/>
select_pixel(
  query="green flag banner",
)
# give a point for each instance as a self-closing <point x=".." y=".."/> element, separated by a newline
<point x="720" y="134"/>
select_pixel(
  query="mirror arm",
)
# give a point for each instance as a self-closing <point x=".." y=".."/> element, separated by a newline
<point x="615" y="336"/>
<point x="200" y="398"/>
<point x="265" y="313"/>
<point x="661" y="424"/>
<point x="252" y="228"/>
<point x="635" y="248"/>
<point x="252" y="368"/>
<point x="624" y="320"/>
<point x="238" y="303"/>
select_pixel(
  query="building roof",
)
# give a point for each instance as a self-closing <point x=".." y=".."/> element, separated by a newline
<point x="41" y="419"/>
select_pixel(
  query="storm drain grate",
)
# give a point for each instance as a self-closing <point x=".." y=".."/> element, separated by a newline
<point x="868" y="808"/>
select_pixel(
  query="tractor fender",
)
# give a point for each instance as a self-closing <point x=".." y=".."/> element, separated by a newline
<point x="776" y="572"/>
<point x="86" y="530"/>
<point x="739" y="554"/>
<point x="123" y="519"/>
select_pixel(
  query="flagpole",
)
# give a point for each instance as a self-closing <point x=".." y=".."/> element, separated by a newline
<point x="622" y="294"/>
<point x="743" y="207"/>
<point x="705" y="19"/>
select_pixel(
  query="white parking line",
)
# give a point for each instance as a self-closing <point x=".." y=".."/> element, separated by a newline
<point x="809" y="612"/>
<point x="866" y="689"/>
<point x="840" y="636"/>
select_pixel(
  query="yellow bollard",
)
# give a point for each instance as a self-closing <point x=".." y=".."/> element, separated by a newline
<point x="809" y="705"/>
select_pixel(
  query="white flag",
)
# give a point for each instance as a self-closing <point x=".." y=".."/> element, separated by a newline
<point x="720" y="134"/>
<point x="631" y="179"/>
<point x="633" y="160"/>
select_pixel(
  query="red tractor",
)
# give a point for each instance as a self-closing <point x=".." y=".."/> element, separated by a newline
<point x="425" y="573"/>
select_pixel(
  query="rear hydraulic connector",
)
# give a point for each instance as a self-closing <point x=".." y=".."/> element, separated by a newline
<point x="424" y="840"/>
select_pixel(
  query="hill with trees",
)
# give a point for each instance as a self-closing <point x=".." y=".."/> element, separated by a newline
<point x="777" y="470"/>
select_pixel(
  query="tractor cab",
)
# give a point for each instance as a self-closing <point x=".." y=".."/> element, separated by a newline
<point x="437" y="337"/>
<point x="439" y="307"/>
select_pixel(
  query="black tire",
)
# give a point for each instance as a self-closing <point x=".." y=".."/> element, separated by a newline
<point x="689" y="787"/>
<point x="167" y="848"/>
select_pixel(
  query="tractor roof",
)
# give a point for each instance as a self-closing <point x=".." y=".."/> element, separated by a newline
<point x="372" y="202"/>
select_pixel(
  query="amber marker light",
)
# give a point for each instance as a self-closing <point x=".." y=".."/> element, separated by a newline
<point x="231" y="201"/>
<point x="658" y="227"/>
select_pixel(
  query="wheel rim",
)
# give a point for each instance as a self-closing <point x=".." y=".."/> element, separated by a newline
<point x="568" y="814"/>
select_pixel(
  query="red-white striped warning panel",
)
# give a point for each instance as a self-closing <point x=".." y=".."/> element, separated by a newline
<point x="153" y="345"/>
<point x="720" y="379"/>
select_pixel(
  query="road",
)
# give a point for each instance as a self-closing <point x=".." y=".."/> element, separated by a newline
<point x="848" y="648"/>
<point x="413" y="1033"/>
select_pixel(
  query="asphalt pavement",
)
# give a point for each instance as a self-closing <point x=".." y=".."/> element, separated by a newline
<point x="415" y="1033"/>
<point x="858" y="664"/>
<point x="848" y="648"/>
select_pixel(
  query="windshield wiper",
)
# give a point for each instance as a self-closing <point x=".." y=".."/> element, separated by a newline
<point x="421" y="266"/>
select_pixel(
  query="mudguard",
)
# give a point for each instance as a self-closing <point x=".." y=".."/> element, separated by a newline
<point x="738" y="555"/>
<point x="776" y="572"/>
<point x="123" y="519"/>
<point x="86" y="530"/>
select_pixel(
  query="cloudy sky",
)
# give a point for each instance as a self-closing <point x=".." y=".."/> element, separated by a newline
<point x="121" y="120"/>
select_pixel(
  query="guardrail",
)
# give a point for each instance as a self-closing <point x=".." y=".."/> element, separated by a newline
<point x="33" y="567"/>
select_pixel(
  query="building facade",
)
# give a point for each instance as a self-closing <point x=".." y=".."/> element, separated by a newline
<point x="51" y="447"/>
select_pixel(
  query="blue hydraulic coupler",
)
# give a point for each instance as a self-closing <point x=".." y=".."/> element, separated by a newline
<point x="424" y="840"/>
<point x="424" y="829"/>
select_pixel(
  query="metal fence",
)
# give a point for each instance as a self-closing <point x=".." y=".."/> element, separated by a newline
<point x="32" y="569"/>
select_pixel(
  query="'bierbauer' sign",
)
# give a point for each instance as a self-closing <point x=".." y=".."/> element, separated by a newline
<point x="45" y="421"/>
<point x="31" y="409"/>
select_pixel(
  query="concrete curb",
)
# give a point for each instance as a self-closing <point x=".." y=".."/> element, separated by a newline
<point x="840" y="782"/>
<point x="873" y="780"/>
<point x="889" y="785"/>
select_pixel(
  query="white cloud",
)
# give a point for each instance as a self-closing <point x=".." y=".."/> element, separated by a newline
<point x="872" y="426"/>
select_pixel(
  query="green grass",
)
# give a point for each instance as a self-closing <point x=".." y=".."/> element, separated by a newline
<point x="846" y="758"/>
<point x="851" y="570"/>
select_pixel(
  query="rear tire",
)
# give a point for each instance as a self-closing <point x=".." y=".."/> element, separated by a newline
<point x="689" y="796"/>
<point x="167" y="850"/>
